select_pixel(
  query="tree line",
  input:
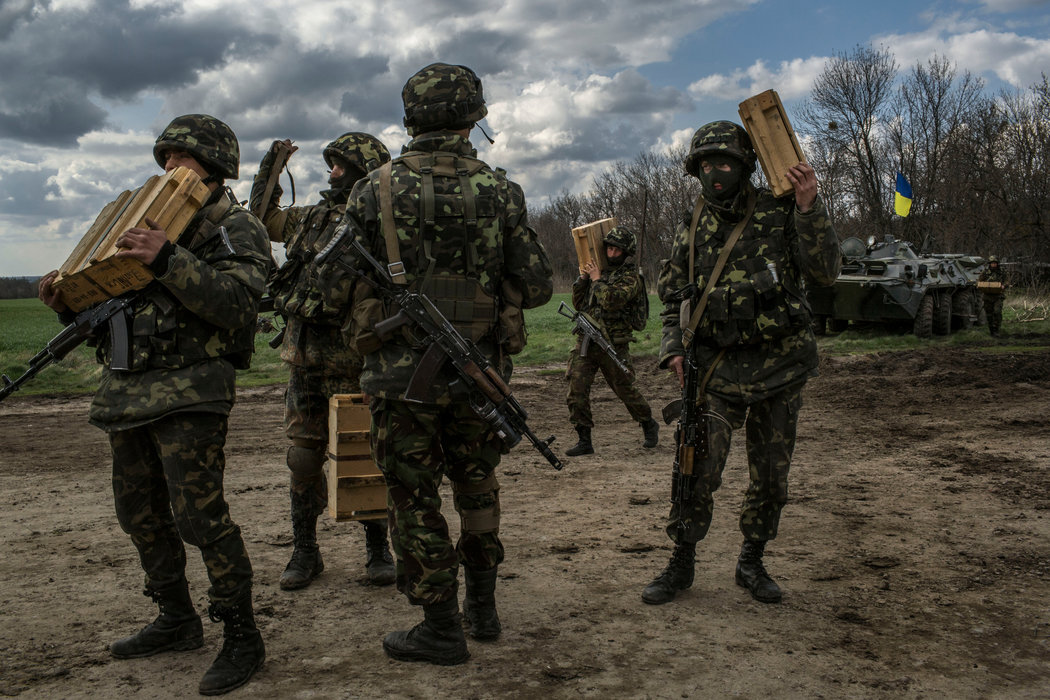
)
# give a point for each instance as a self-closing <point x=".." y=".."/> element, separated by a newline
<point x="977" y="164"/>
<point x="18" y="287"/>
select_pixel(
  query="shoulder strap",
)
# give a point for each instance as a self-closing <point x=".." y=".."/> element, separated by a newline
<point x="395" y="266"/>
<point x="723" y="257"/>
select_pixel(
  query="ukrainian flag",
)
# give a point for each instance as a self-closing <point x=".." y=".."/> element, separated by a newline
<point x="902" y="198"/>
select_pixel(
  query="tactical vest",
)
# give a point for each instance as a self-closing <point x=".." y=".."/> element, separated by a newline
<point x="448" y="206"/>
<point x="164" y="334"/>
<point x="758" y="295"/>
<point x="299" y="288"/>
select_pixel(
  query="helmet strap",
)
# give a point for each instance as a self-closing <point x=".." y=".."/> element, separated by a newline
<point x="485" y="133"/>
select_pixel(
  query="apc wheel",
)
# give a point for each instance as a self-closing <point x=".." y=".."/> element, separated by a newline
<point x="820" y="324"/>
<point x="964" y="309"/>
<point x="923" y="327"/>
<point x="837" y="325"/>
<point x="942" y="314"/>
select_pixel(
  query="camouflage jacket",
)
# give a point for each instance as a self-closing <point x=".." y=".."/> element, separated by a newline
<point x="758" y="309"/>
<point x="192" y="326"/>
<point x="608" y="300"/>
<point x="498" y="254"/>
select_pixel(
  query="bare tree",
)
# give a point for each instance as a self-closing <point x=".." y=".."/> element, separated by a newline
<point x="849" y="110"/>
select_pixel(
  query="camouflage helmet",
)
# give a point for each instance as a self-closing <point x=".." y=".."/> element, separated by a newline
<point x="204" y="137"/>
<point x="362" y="151"/>
<point x="442" y="96"/>
<point x="993" y="259"/>
<point x="623" y="238"/>
<point x="721" y="137"/>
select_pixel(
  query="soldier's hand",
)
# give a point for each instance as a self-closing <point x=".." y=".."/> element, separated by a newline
<point x="143" y="244"/>
<point x="804" y="180"/>
<point x="676" y="364"/>
<point x="590" y="268"/>
<point x="47" y="293"/>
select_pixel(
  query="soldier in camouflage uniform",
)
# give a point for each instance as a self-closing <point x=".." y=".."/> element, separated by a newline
<point x="447" y="225"/>
<point x="756" y="334"/>
<point x="992" y="297"/>
<point x="315" y="304"/>
<point x="167" y="416"/>
<point x="609" y="298"/>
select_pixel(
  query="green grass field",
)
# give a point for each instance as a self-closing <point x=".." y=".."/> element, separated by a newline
<point x="26" y="325"/>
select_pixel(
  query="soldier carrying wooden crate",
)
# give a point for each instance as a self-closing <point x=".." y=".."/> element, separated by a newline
<point x="165" y="412"/>
<point x="315" y="305"/>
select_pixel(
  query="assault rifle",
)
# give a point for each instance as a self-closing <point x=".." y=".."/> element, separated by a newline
<point x="691" y="438"/>
<point x="590" y="333"/>
<point x="490" y="397"/>
<point x="112" y="312"/>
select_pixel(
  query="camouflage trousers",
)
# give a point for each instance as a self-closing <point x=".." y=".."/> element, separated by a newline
<point x="770" y="433"/>
<point x="582" y="371"/>
<point x="416" y="446"/>
<point x="167" y="486"/>
<point x="993" y="309"/>
<point x="306" y="411"/>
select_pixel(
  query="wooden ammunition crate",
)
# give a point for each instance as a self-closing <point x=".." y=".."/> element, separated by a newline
<point x="988" y="287"/>
<point x="91" y="273"/>
<point x="589" y="241"/>
<point x="767" y="124"/>
<point x="356" y="489"/>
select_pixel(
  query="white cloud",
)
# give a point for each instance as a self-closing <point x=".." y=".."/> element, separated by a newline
<point x="790" y="79"/>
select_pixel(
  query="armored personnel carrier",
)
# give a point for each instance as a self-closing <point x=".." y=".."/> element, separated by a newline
<point x="889" y="282"/>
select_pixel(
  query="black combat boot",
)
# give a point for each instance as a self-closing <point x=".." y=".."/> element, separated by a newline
<point x="177" y="628"/>
<point x="380" y="564"/>
<point x="652" y="433"/>
<point x="479" y="604"/>
<point x="438" y="639"/>
<point x="242" y="652"/>
<point x="676" y="577"/>
<point x="583" y="447"/>
<point x="751" y="574"/>
<point x="306" y="562"/>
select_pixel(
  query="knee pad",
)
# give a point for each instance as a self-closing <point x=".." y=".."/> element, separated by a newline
<point x="478" y="521"/>
<point x="306" y="462"/>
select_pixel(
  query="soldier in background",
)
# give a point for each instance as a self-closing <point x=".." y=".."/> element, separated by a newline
<point x="166" y="417"/>
<point x="992" y="297"/>
<point x="315" y="304"/>
<point x="612" y="299"/>
<point x="753" y="339"/>
<point x="445" y="224"/>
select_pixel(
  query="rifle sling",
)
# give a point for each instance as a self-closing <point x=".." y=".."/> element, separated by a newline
<point x="723" y="257"/>
<point x="279" y="161"/>
<point x="396" y="267"/>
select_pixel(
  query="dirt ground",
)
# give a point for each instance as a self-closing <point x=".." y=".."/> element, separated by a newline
<point x="914" y="555"/>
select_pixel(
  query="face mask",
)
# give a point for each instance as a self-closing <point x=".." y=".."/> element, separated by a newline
<point x="721" y="185"/>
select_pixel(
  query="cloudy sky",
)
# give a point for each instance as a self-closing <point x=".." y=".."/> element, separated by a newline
<point x="572" y="85"/>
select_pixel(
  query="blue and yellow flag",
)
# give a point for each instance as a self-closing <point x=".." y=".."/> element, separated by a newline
<point x="902" y="198"/>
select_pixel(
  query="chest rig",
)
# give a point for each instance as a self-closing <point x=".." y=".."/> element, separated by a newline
<point x="751" y="279"/>
<point x="459" y="240"/>
<point x="299" y="288"/>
